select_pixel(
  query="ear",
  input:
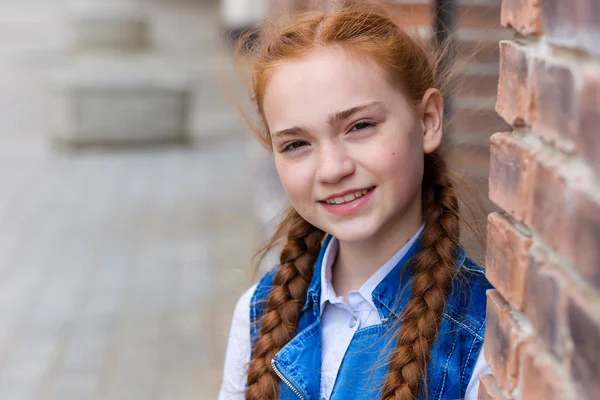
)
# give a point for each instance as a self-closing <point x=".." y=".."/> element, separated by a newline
<point x="432" y="119"/>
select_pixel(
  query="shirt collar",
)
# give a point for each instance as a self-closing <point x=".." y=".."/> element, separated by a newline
<point x="366" y="290"/>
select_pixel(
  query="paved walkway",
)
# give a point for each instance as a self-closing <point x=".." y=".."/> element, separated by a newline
<point x="119" y="268"/>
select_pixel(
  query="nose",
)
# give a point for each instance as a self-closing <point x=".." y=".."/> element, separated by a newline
<point x="334" y="163"/>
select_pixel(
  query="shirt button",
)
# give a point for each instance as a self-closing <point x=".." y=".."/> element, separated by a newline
<point x="352" y="322"/>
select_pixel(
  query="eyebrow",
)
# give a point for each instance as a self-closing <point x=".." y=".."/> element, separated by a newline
<point x="342" y="115"/>
<point x="294" y="131"/>
<point x="332" y="120"/>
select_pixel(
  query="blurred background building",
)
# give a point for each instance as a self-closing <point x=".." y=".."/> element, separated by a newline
<point x="132" y="197"/>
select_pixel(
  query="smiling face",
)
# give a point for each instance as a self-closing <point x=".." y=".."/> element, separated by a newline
<point x="348" y="145"/>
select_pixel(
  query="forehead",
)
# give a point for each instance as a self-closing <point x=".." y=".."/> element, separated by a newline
<point x="306" y="91"/>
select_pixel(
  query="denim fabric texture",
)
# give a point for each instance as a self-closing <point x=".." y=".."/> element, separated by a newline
<point x="364" y="367"/>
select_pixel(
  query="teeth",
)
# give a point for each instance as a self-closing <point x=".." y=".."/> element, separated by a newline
<point x="347" y="198"/>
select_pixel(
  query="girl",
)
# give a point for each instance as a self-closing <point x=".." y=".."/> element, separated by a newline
<point x="373" y="298"/>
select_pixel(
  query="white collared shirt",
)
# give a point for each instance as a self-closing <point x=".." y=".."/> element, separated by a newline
<point x="341" y="319"/>
<point x="339" y="322"/>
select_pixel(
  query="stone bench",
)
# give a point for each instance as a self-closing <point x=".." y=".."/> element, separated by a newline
<point x="110" y="105"/>
<point x="97" y="26"/>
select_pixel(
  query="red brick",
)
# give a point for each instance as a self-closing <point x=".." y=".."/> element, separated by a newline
<point x="564" y="113"/>
<point x="522" y="15"/>
<point x="286" y="8"/>
<point x="488" y="388"/>
<point x="583" y="244"/>
<point x="588" y="28"/>
<point x="471" y="166"/>
<point x="548" y="217"/>
<point x="511" y="175"/>
<point x="541" y="376"/>
<point x="480" y="121"/>
<point x="573" y="23"/>
<point x="588" y="140"/>
<point x="554" y="113"/>
<point x="513" y="102"/>
<point x="467" y="15"/>
<point x="583" y="319"/>
<point x="477" y="15"/>
<point x="545" y="300"/>
<point x="503" y="339"/>
<point x="506" y="259"/>
<point x="479" y="50"/>
<point x="418" y="13"/>
<point x="566" y="217"/>
<point x="559" y="18"/>
<point x="477" y="85"/>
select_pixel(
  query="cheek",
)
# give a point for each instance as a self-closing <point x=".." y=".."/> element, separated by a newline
<point x="398" y="160"/>
<point x="296" y="181"/>
<point x="398" y="165"/>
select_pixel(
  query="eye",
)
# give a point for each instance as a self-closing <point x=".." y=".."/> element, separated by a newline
<point x="293" y="146"/>
<point x="360" y="125"/>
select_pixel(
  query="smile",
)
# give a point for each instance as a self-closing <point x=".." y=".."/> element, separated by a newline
<point x="347" y="198"/>
<point x="349" y="202"/>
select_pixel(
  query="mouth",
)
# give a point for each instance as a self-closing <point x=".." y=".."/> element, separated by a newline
<point x="347" y="202"/>
<point x="346" y="197"/>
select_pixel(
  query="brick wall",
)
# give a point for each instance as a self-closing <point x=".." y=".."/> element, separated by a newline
<point x="543" y="249"/>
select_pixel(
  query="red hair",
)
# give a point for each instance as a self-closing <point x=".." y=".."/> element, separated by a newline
<point x="362" y="30"/>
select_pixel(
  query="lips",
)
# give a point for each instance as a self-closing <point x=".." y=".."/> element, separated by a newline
<point x="346" y="192"/>
<point x="349" y="201"/>
<point x="346" y="198"/>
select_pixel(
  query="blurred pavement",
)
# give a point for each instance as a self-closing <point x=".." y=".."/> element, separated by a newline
<point x="119" y="268"/>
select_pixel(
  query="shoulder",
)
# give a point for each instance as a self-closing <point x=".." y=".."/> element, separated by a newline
<point x="261" y="292"/>
<point x="240" y="323"/>
<point x="238" y="352"/>
<point x="263" y="287"/>
<point x="471" y="277"/>
<point x="257" y="300"/>
<point x="467" y="300"/>
<point x="242" y="307"/>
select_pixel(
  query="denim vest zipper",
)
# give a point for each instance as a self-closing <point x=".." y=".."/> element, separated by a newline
<point x="286" y="381"/>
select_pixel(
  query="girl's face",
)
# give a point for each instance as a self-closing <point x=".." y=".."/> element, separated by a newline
<point x="348" y="145"/>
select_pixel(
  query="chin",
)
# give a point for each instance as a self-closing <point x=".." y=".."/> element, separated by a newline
<point x="357" y="233"/>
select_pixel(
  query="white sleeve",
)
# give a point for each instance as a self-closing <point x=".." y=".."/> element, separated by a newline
<point x="238" y="351"/>
<point x="481" y="368"/>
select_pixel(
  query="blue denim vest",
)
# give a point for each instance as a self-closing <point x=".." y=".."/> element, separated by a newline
<point x="365" y="365"/>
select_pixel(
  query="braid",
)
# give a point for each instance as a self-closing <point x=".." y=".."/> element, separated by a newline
<point x="433" y="271"/>
<point x="282" y="312"/>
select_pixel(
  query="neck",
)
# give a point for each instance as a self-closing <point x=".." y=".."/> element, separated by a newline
<point x="358" y="261"/>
